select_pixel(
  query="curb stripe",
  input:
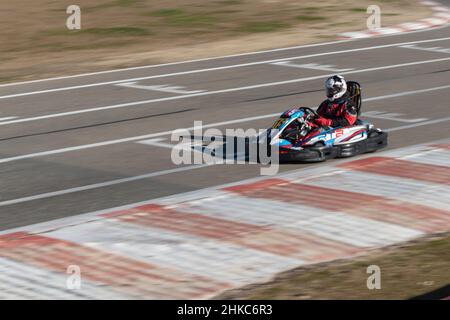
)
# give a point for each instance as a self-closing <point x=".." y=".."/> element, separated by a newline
<point x="122" y="274"/>
<point x="297" y="217"/>
<point x="363" y="205"/>
<point x="213" y="259"/>
<point x="441" y="146"/>
<point x="439" y="17"/>
<point x="436" y="156"/>
<point x="22" y="281"/>
<point x="262" y="238"/>
<point x="393" y="188"/>
<point x="401" y="168"/>
<point x="157" y="216"/>
<point x="177" y="247"/>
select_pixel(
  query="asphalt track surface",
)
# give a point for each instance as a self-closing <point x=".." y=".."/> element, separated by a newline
<point x="73" y="145"/>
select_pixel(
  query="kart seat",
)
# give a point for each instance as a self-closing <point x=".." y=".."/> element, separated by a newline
<point x="354" y="92"/>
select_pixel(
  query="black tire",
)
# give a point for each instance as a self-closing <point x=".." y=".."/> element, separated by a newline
<point x="319" y="144"/>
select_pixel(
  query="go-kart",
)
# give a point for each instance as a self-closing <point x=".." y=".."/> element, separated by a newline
<point x="299" y="142"/>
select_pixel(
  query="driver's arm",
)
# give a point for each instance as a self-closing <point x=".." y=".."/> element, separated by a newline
<point x="348" y="118"/>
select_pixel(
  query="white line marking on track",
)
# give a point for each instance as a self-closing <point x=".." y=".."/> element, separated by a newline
<point x="102" y="184"/>
<point x="211" y="125"/>
<point x="160" y="173"/>
<point x="319" y="170"/>
<point x="152" y="142"/>
<point x="196" y="60"/>
<point x="313" y="66"/>
<point x="390" y="116"/>
<point x="162" y="88"/>
<point x="406" y="93"/>
<point x="7" y="118"/>
<point x="198" y="147"/>
<point x="174" y="63"/>
<point x="418" y="124"/>
<point x="257" y="86"/>
<point x="216" y="68"/>
<point x="157" y="142"/>
<point x="194" y="146"/>
<point x="130" y="139"/>
<point x="433" y="49"/>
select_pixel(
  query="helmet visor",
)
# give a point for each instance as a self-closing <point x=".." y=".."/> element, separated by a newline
<point x="331" y="91"/>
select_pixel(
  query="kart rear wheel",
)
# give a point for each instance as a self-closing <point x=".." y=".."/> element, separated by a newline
<point x="319" y="144"/>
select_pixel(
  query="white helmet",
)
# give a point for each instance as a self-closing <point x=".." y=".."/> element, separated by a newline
<point x="335" y="87"/>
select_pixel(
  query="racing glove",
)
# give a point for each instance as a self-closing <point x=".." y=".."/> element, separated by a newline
<point x="323" y="121"/>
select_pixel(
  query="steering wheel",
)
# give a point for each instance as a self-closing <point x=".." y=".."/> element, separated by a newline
<point x="311" y="112"/>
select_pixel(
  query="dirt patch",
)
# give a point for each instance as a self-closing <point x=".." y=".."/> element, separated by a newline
<point x="124" y="33"/>
<point x="407" y="271"/>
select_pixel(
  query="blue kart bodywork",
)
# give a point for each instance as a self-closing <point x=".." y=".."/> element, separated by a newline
<point x="298" y="142"/>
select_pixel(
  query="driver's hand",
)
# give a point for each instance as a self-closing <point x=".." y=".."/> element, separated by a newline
<point x="323" y="121"/>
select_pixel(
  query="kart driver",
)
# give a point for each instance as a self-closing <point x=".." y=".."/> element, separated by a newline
<point x="338" y="110"/>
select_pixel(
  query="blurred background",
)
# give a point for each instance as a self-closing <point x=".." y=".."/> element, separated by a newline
<point x="119" y="33"/>
<point x="43" y="122"/>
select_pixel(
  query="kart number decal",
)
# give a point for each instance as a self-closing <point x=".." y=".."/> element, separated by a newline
<point x="278" y="124"/>
<point x="339" y="133"/>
